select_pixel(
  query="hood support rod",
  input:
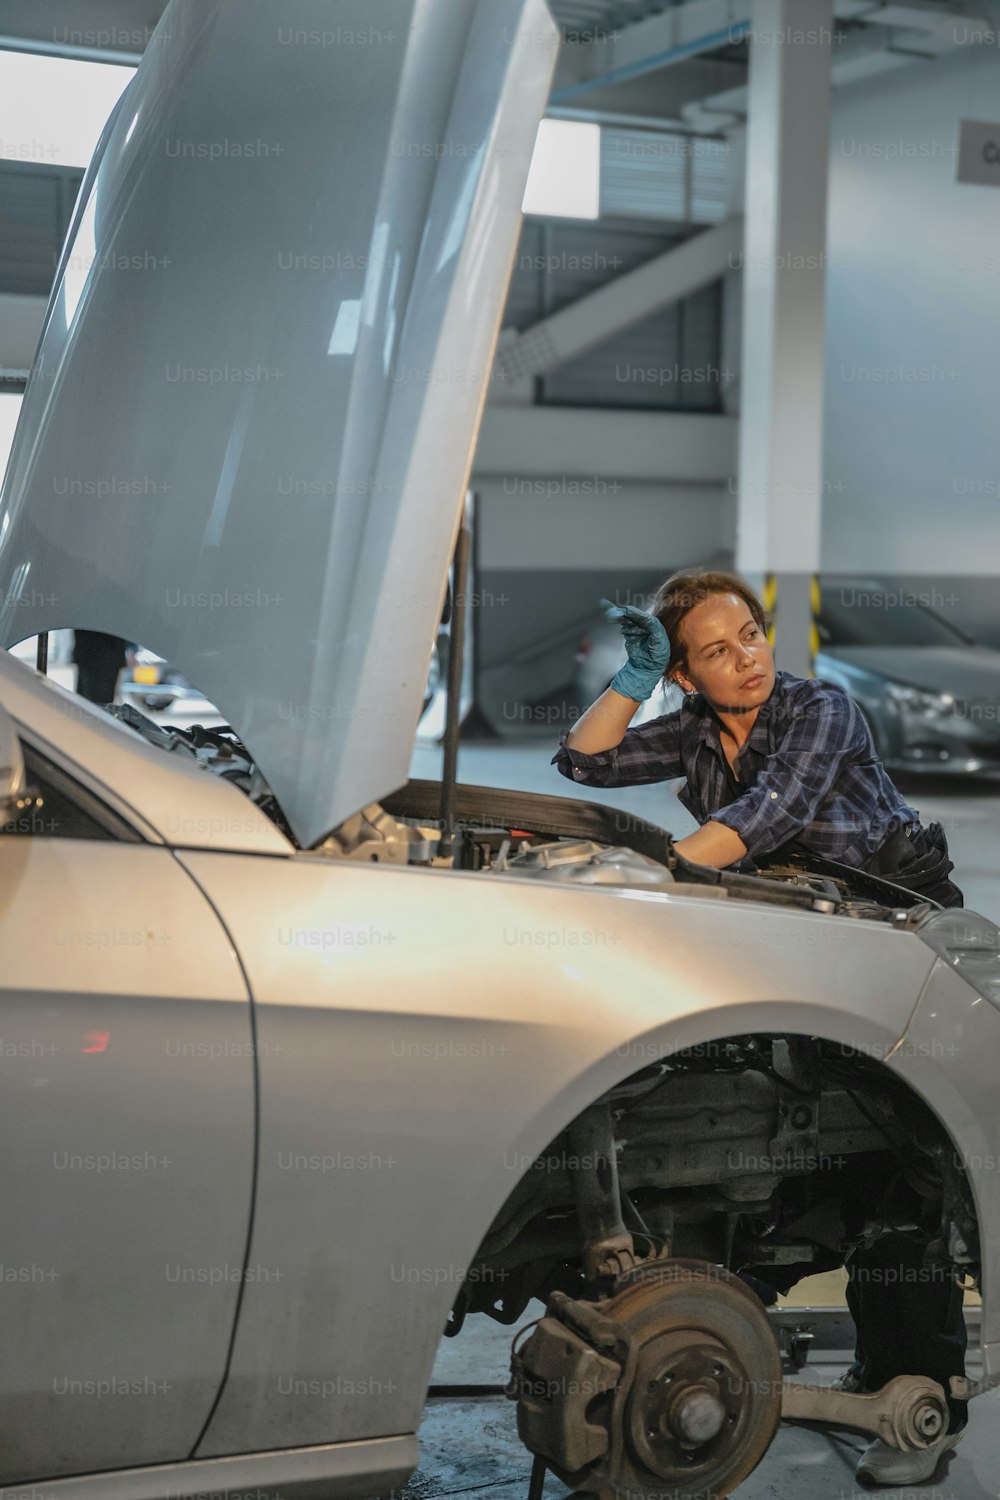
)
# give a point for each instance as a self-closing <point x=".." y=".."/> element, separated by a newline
<point x="456" y="652"/>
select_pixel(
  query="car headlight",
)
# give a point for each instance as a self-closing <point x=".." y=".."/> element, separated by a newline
<point x="970" y="944"/>
<point x="913" y="700"/>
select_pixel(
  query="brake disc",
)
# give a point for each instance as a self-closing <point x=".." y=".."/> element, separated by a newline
<point x="698" y="1393"/>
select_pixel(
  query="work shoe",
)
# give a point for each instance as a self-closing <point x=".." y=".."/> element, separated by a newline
<point x="850" y="1381"/>
<point x="880" y="1464"/>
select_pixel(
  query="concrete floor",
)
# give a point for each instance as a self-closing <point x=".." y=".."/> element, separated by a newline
<point x="967" y="808"/>
<point x="471" y="1447"/>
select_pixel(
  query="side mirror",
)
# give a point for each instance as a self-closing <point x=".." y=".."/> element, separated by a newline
<point x="13" y="788"/>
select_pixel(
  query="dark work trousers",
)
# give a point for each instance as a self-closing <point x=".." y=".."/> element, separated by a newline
<point x="908" y="1318"/>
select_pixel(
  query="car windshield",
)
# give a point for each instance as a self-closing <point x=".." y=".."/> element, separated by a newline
<point x="855" y="616"/>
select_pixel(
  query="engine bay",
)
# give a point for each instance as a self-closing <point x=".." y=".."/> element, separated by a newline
<point x="528" y="835"/>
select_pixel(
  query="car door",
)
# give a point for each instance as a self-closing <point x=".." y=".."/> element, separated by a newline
<point x="126" y="1141"/>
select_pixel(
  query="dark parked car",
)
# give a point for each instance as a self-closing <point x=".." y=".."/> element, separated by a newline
<point x="930" y="693"/>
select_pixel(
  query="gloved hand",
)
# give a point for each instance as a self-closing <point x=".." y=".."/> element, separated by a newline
<point x="648" y="648"/>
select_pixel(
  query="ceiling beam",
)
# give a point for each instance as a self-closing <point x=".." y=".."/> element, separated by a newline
<point x="646" y="46"/>
<point x="674" y="447"/>
<point x="703" y="26"/>
<point x="97" y="30"/>
<point x="904" y="33"/>
<point x="620" y="303"/>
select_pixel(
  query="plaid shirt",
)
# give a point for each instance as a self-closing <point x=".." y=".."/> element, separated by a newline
<point x="813" y="778"/>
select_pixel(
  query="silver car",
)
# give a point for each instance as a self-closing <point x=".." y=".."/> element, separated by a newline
<point x="271" y="1122"/>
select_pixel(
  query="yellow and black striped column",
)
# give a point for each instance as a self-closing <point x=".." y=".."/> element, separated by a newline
<point x="798" y="621"/>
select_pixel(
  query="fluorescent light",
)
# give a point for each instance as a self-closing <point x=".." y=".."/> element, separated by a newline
<point x="53" y="109"/>
<point x="565" y="176"/>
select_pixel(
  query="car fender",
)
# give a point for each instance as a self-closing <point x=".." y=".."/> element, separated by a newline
<point x="420" y="1030"/>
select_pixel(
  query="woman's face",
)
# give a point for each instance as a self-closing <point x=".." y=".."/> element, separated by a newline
<point x="729" y="660"/>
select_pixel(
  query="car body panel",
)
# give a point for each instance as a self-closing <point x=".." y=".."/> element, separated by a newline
<point x="422" y="1035"/>
<point x="965" y="671"/>
<point x="168" y="798"/>
<point x="251" y="457"/>
<point x="344" y="1471"/>
<point x="127" y="1167"/>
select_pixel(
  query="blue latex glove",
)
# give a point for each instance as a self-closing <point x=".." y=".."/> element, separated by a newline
<point x="648" y="648"/>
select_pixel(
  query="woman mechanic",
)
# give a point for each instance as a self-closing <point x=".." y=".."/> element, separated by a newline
<point x="778" y="764"/>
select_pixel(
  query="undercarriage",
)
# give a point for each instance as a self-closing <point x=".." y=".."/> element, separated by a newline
<point x="659" y="1225"/>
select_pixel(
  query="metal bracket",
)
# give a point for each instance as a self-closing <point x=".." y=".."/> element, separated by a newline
<point x="910" y="1412"/>
<point x="608" y="1246"/>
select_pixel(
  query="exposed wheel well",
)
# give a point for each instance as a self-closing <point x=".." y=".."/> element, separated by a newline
<point x="769" y="1153"/>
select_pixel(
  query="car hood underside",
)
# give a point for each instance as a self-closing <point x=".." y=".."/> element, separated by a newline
<point x="247" y="434"/>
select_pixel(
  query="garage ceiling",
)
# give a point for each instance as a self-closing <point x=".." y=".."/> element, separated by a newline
<point x="48" y="21"/>
<point x="613" y="66"/>
<point x="603" y="15"/>
<point x="879" y="32"/>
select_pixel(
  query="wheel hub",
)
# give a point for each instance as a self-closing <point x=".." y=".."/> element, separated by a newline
<point x="697" y="1417"/>
<point x="685" y="1395"/>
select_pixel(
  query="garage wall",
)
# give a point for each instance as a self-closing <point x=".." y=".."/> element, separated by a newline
<point x="912" y="441"/>
<point x="553" y="523"/>
<point x="551" y="544"/>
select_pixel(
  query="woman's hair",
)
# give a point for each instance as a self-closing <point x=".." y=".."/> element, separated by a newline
<point x="682" y="591"/>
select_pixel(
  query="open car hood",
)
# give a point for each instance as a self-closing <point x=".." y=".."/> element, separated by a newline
<point x="247" y="435"/>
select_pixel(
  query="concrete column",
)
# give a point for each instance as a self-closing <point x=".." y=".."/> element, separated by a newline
<point x="784" y="277"/>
